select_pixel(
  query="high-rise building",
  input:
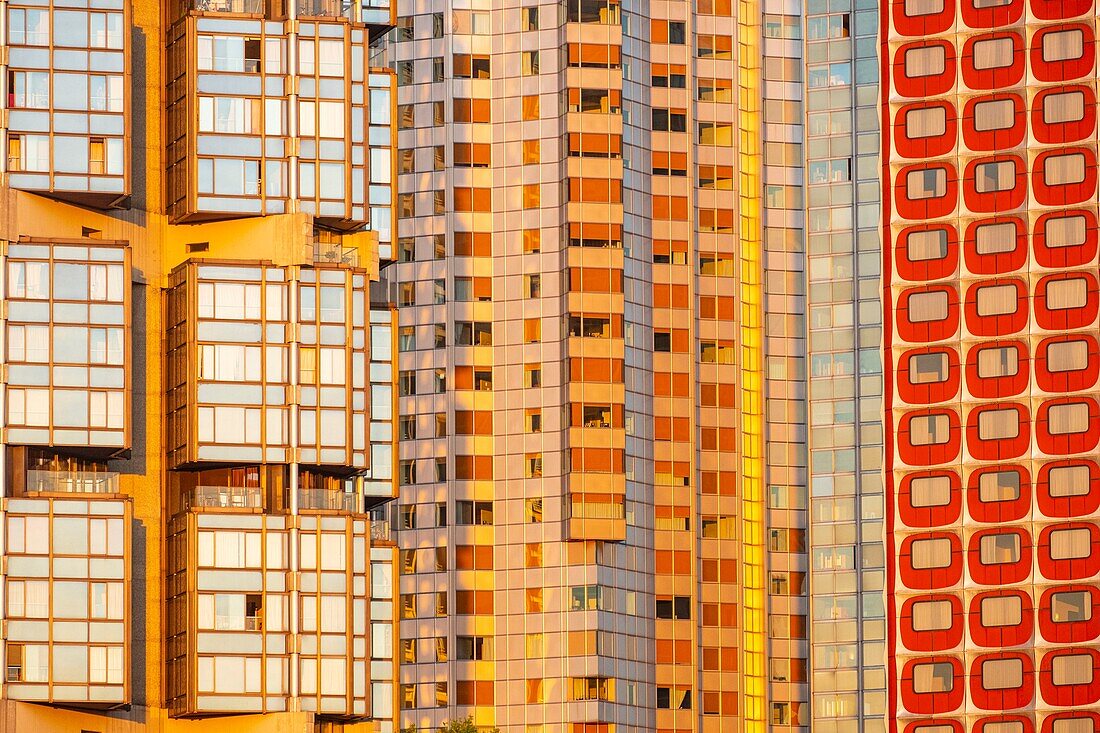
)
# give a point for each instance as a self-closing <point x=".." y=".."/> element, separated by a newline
<point x="990" y="252"/>
<point x="198" y="410"/>
<point x="747" y="365"/>
<point x="581" y="346"/>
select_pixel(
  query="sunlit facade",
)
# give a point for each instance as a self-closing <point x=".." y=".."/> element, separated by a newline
<point x="198" y="395"/>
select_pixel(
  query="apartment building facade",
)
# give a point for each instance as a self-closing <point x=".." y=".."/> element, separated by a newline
<point x="198" y="389"/>
<point x="818" y="381"/>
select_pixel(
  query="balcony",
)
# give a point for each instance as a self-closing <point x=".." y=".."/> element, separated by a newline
<point x="243" y="7"/>
<point x="379" y="530"/>
<point x="328" y="500"/>
<point x="324" y="9"/>
<point x="226" y="497"/>
<point x="72" y="482"/>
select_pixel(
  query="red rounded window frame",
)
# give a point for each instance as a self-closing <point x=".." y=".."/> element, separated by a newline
<point x="929" y="208"/>
<point x="991" y="17"/>
<point x="1068" y="695"/>
<point x="932" y="146"/>
<point x="1001" y="324"/>
<point x="922" y="25"/>
<point x="938" y="639"/>
<point x="930" y="578"/>
<point x="1060" y="133"/>
<point x="1066" y="507"/>
<point x="998" y="511"/>
<point x="920" y="332"/>
<point x="993" y="637"/>
<point x="991" y="388"/>
<point x="1069" y="569"/>
<point x="930" y="392"/>
<point x="924" y="270"/>
<point x="996" y="78"/>
<point x="924" y="86"/>
<point x="1049" y="721"/>
<point x="1069" y="632"/>
<point x="1073" y="255"/>
<point x="932" y="454"/>
<point x="1062" y="319"/>
<point x="924" y="517"/>
<point x="1011" y="698"/>
<point x="1064" y="194"/>
<point x="1061" y="444"/>
<point x="1076" y="380"/>
<point x="1069" y="69"/>
<point x="932" y="703"/>
<point x="991" y="202"/>
<point x="995" y="263"/>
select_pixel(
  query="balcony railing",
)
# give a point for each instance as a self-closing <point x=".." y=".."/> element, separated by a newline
<point x="227" y="497"/>
<point x="251" y="7"/>
<point x="322" y="8"/>
<point x="328" y="499"/>
<point x="596" y="510"/>
<point x="380" y="530"/>
<point x="73" y="482"/>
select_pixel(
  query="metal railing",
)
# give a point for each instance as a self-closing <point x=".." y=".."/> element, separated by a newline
<point x="322" y="8"/>
<point x="341" y="501"/>
<point x="380" y="530"/>
<point x="73" y="482"/>
<point x="227" y="497"/>
<point x="251" y="7"/>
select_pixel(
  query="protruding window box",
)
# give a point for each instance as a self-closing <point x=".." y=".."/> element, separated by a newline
<point x="67" y="587"/>
<point x="67" y="357"/>
<point x="68" y="100"/>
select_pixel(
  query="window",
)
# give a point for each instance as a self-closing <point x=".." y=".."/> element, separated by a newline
<point x="927" y="491"/>
<point x="993" y="177"/>
<point x="935" y="677"/>
<point x="1067" y="356"/>
<point x="1063" y="45"/>
<point x="928" y="368"/>
<point x="1002" y="674"/>
<point x="999" y="486"/>
<point x="822" y="27"/>
<point x="665" y="120"/>
<point x="829" y="75"/>
<point x="998" y="114"/>
<point x="928" y="306"/>
<point x="1067" y="293"/>
<point x="1064" y="231"/>
<point x="996" y="300"/>
<point x="1072" y="669"/>
<point x="1001" y="610"/>
<point x="1070" y="544"/>
<point x="674" y="698"/>
<point x="929" y="554"/>
<point x="998" y="424"/>
<point x="473" y="513"/>
<point x="931" y="615"/>
<point x="529" y="18"/>
<point x="1061" y="170"/>
<point x="477" y="648"/>
<point x="1073" y="725"/>
<point x="929" y="429"/>
<point x="925" y="122"/>
<point x="1063" y="107"/>
<point x="926" y="245"/>
<point x="994" y="238"/>
<point x="997" y="549"/>
<point x="917" y="8"/>
<point x="1070" y="606"/>
<point x="1067" y="481"/>
<point x="998" y="362"/>
<point x="529" y="63"/>
<point x="926" y="61"/>
<point x="993" y="53"/>
<point x="1069" y="418"/>
<point x="674" y="607"/>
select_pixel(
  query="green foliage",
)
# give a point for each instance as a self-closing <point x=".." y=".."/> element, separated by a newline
<point x="465" y="725"/>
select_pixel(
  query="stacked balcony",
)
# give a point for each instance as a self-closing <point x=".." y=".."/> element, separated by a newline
<point x="66" y="524"/>
<point x="280" y="443"/>
<point x="68" y="100"/>
<point x="270" y="112"/>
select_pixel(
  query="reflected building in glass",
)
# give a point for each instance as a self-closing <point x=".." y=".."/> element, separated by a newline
<point x="198" y="392"/>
